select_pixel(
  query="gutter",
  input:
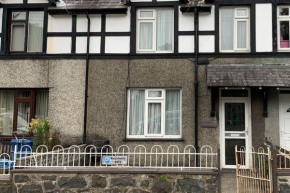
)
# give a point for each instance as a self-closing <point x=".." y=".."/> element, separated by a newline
<point x="87" y="79"/>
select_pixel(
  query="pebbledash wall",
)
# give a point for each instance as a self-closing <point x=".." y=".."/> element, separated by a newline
<point x="109" y="183"/>
<point x="65" y="80"/>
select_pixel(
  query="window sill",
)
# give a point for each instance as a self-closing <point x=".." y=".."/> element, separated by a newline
<point x="152" y="140"/>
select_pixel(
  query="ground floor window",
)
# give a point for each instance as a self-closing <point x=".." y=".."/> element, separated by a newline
<point x="18" y="107"/>
<point x="154" y="113"/>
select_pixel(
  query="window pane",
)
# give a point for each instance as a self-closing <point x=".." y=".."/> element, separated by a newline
<point x="242" y="12"/>
<point x="18" y="15"/>
<point x="164" y="27"/>
<point x="284" y="34"/>
<point x="284" y="11"/>
<point x="227" y="29"/>
<point x="154" y="118"/>
<point x="6" y="112"/>
<point x="172" y="112"/>
<point x="41" y="104"/>
<point x="35" y="31"/>
<point x="155" y="94"/>
<point x="25" y="94"/>
<point x="234" y="116"/>
<point x="242" y="34"/>
<point x="146" y="13"/>
<point x="230" y="149"/>
<point x="18" y="37"/>
<point x="23" y="116"/>
<point x="146" y="36"/>
<point x="136" y="115"/>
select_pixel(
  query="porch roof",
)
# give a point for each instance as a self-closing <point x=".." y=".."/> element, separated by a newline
<point x="266" y="75"/>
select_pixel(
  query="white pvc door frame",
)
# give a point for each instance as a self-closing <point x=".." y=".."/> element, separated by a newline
<point x="248" y="123"/>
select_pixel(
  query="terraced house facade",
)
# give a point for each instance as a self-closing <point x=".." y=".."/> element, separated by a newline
<point x="148" y="71"/>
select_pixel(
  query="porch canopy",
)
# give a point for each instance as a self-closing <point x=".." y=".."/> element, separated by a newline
<point x="248" y="75"/>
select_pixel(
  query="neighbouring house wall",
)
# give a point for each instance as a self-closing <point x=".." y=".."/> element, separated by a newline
<point x="65" y="80"/>
<point x="133" y="183"/>
<point x="272" y="121"/>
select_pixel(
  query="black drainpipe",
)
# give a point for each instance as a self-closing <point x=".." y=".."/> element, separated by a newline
<point x="87" y="80"/>
<point x="196" y="39"/>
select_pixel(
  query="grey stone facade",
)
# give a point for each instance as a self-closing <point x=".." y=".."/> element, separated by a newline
<point x="107" y="183"/>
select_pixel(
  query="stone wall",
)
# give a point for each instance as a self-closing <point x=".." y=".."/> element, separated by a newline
<point x="110" y="183"/>
<point x="284" y="184"/>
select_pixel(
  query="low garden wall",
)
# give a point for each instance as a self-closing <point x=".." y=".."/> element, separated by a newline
<point x="76" y="182"/>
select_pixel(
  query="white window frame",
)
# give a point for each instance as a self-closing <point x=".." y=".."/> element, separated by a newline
<point x="153" y="21"/>
<point x="236" y="20"/>
<point x="279" y="19"/>
<point x="162" y="101"/>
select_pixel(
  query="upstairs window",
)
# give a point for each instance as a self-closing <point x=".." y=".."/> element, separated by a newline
<point x="283" y="28"/>
<point x="26" y="31"/>
<point x="155" y="30"/>
<point x="154" y="113"/>
<point x="235" y="29"/>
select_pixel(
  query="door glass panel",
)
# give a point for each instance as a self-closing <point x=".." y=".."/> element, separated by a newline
<point x="154" y="118"/>
<point x="23" y="116"/>
<point x="234" y="116"/>
<point x="284" y="11"/>
<point x="230" y="149"/>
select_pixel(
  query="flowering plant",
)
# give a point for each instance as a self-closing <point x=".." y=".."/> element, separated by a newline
<point x="34" y="124"/>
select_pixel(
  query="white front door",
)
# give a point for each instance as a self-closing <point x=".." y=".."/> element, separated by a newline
<point x="235" y="128"/>
<point x="284" y="115"/>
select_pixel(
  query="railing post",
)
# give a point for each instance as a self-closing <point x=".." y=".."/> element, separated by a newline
<point x="274" y="169"/>
<point x="15" y="156"/>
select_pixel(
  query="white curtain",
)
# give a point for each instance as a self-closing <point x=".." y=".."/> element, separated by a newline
<point x="6" y="112"/>
<point x="154" y="118"/>
<point x="146" y="36"/>
<point x="242" y="34"/>
<point x="41" y="104"/>
<point x="172" y="112"/>
<point x="227" y="29"/>
<point x="136" y="116"/>
<point x="164" y="30"/>
<point x="18" y="37"/>
<point x="35" y="31"/>
<point x="146" y="13"/>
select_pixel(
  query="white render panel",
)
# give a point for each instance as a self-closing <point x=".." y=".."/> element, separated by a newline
<point x="1" y="17"/>
<point x="37" y="1"/>
<point x="264" y="28"/>
<point x="11" y="1"/>
<point x="60" y="23"/>
<point x="117" y="45"/>
<point x="118" y="23"/>
<point x="206" y="44"/>
<point x="186" y="21"/>
<point x="59" y="45"/>
<point x="95" y="45"/>
<point x="82" y="23"/>
<point x="206" y="21"/>
<point x="186" y="44"/>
